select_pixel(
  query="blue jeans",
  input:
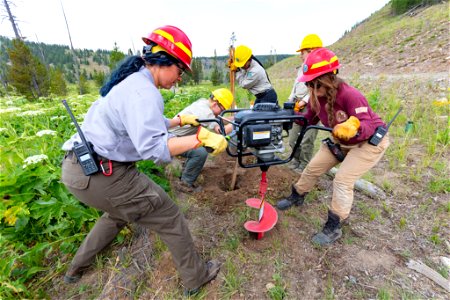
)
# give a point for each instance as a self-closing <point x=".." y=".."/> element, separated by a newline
<point x="193" y="165"/>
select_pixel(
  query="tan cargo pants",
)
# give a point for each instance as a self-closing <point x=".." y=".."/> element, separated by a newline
<point x="360" y="158"/>
<point x="130" y="196"/>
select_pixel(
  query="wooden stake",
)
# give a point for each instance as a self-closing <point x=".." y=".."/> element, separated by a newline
<point x="232" y="78"/>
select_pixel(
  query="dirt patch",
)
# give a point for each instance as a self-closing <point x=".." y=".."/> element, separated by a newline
<point x="370" y="257"/>
<point x="216" y="182"/>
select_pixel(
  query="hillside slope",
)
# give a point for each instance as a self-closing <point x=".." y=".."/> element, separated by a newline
<point x="386" y="44"/>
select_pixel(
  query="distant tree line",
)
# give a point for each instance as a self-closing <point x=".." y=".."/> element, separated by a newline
<point x="401" y="6"/>
<point x="38" y="70"/>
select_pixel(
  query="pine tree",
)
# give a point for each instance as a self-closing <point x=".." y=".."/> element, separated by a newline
<point x="83" y="85"/>
<point x="26" y="73"/>
<point x="115" y="57"/>
<point x="58" y="85"/>
<point x="99" y="78"/>
<point x="216" y="76"/>
<point x="197" y="70"/>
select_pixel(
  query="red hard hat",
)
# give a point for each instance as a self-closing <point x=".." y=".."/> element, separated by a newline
<point x="319" y="62"/>
<point x="174" y="41"/>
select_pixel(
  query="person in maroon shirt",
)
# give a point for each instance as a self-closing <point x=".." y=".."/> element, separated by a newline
<point x="343" y="108"/>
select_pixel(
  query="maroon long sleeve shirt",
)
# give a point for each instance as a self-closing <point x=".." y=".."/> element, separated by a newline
<point x="349" y="102"/>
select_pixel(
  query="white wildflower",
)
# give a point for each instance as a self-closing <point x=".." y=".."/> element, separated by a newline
<point x="31" y="160"/>
<point x="10" y="102"/>
<point x="30" y="113"/>
<point x="9" y="109"/>
<point x="46" y="132"/>
<point x="58" y="118"/>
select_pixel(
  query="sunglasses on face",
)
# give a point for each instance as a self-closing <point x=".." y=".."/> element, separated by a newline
<point x="181" y="69"/>
<point x="217" y="102"/>
<point x="312" y="84"/>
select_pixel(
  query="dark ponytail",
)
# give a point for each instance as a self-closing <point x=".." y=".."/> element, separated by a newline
<point x="255" y="59"/>
<point x="134" y="63"/>
<point x="129" y="66"/>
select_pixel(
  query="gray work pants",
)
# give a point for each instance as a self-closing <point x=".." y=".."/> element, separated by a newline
<point x="128" y="196"/>
<point x="195" y="160"/>
<point x="305" y="150"/>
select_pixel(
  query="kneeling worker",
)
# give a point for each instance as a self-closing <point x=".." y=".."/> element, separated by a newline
<point x="219" y="100"/>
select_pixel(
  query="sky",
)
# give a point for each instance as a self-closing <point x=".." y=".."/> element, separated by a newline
<point x="266" y="26"/>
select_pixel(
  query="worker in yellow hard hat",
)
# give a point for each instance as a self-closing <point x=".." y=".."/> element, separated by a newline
<point x="219" y="100"/>
<point x="251" y="75"/>
<point x="300" y="96"/>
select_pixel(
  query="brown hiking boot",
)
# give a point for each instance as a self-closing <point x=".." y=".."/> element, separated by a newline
<point x="185" y="187"/>
<point x="73" y="275"/>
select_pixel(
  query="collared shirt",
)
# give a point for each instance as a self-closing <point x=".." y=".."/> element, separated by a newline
<point x="200" y="108"/>
<point x="128" y="123"/>
<point x="349" y="102"/>
<point x="299" y="90"/>
<point x="253" y="79"/>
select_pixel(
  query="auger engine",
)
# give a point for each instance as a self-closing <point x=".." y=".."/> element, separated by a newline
<point x="259" y="131"/>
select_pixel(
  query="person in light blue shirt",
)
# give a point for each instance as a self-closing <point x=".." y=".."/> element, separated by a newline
<point x="125" y="125"/>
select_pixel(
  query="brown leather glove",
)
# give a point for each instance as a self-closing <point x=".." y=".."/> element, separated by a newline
<point x="348" y="129"/>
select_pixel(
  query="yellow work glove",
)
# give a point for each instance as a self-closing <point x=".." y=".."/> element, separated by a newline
<point x="188" y="120"/>
<point x="231" y="65"/>
<point x="208" y="139"/>
<point x="299" y="105"/>
<point x="347" y="129"/>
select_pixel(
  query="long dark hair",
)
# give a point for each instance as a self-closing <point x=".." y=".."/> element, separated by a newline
<point x="331" y="83"/>
<point x="134" y="63"/>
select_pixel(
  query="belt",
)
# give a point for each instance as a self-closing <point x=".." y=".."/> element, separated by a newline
<point x="263" y="93"/>
<point x="70" y="155"/>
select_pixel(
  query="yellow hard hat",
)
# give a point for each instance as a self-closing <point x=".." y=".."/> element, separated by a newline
<point x="224" y="96"/>
<point x="311" y="41"/>
<point x="241" y="55"/>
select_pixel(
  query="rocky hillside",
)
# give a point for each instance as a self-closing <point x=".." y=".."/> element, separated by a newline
<point x="416" y="42"/>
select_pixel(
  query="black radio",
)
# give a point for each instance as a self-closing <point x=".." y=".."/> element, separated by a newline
<point x="84" y="151"/>
<point x="380" y="132"/>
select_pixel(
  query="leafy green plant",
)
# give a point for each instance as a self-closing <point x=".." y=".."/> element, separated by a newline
<point x="278" y="291"/>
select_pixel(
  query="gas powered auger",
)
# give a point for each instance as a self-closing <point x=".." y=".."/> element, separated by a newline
<point x="258" y="132"/>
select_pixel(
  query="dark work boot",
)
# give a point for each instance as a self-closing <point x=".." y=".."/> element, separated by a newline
<point x="330" y="232"/>
<point x="294" y="199"/>
<point x="213" y="267"/>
